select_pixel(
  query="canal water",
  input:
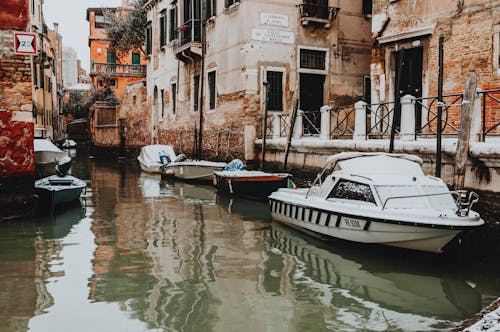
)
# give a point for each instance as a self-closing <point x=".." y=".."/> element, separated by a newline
<point x="145" y="254"/>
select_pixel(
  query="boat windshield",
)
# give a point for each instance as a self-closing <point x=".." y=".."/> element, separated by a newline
<point x="438" y="202"/>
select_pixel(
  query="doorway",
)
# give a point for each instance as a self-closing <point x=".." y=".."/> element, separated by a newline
<point x="410" y="80"/>
<point x="311" y="100"/>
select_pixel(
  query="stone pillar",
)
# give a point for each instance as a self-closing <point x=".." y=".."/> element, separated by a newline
<point x="407" y="132"/>
<point x="359" y="121"/>
<point x="475" y="130"/>
<point x="299" y="125"/>
<point x="276" y="125"/>
<point x="325" y="122"/>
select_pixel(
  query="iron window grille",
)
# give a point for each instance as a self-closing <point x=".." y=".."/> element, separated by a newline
<point x="312" y="59"/>
<point x="275" y="95"/>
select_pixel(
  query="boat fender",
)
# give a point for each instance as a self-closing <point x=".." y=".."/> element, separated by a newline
<point x="164" y="159"/>
<point x="234" y="165"/>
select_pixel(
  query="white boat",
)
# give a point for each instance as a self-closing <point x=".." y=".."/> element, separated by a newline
<point x="201" y="170"/>
<point x="47" y="154"/>
<point x="378" y="198"/>
<point x="68" y="143"/>
<point x="152" y="157"/>
<point x="57" y="189"/>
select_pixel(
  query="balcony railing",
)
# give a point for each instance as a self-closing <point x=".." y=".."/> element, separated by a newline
<point x="118" y="69"/>
<point x="187" y="34"/>
<point x="317" y="13"/>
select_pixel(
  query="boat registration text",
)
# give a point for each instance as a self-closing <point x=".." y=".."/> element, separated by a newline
<point x="353" y="223"/>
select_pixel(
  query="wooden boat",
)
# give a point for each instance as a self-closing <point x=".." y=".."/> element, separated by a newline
<point x="201" y="170"/>
<point x="378" y="198"/>
<point x="58" y="190"/>
<point x="254" y="184"/>
<point x="152" y="157"/>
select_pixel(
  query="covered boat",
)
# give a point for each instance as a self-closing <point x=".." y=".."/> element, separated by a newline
<point x="47" y="154"/>
<point x="378" y="198"/>
<point x="152" y="157"/>
<point x="200" y="170"/>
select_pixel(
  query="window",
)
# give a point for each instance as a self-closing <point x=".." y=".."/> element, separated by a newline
<point x="312" y="59"/>
<point x="33" y="7"/>
<point x="112" y="83"/>
<point x="163" y="29"/>
<point x="196" y="93"/>
<point x="174" y="97"/>
<point x="162" y="103"/>
<point x="136" y="58"/>
<point x="172" y="34"/>
<point x="35" y="74"/>
<point x="49" y="84"/>
<point x="366" y="8"/>
<point x="275" y="94"/>
<point x="367" y="89"/>
<point x="111" y="57"/>
<point x="210" y="9"/>
<point x="100" y="21"/>
<point x="345" y="189"/>
<point x="149" y="40"/>
<point x="212" y="89"/>
<point x="229" y="3"/>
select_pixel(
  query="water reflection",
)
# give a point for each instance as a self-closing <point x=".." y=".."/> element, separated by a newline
<point x="154" y="255"/>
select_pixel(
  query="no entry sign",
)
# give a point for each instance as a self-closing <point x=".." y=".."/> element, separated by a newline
<point x="25" y="43"/>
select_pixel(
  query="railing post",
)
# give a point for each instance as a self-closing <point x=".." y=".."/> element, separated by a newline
<point x="359" y="121"/>
<point x="299" y="125"/>
<point x="407" y="132"/>
<point x="276" y="125"/>
<point x="475" y="129"/>
<point x="325" y="122"/>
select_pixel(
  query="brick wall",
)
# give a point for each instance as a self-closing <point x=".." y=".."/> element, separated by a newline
<point x="138" y="116"/>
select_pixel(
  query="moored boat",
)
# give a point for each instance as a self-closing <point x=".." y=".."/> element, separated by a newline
<point x="253" y="184"/>
<point x="47" y="154"/>
<point x="200" y="170"/>
<point x="378" y="198"/>
<point x="58" y="190"/>
<point x="152" y="157"/>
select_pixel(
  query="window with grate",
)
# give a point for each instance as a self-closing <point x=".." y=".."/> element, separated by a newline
<point x="149" y="39"/>
<point x="212" y="88"/>
<point x="312" y="59"/>
<point x="163" y="29"/>
<point x="172" y="34"/>
<point x="275" y="94"/>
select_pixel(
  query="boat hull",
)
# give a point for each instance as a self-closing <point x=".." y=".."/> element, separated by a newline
<point x="193" y="171"/>
<point x="259" y="187"/>
<point x="59" y="193"/>
<point x="361" y="229"/>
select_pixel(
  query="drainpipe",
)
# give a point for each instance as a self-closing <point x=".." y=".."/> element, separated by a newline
<point x="202" y="78"/>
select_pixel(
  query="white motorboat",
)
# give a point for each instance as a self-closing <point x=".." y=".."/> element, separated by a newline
<point x="152" y="157"/>
<point x="378" y="198"/>
<point x="47" y="154"/>
<point x="200" y="170"/>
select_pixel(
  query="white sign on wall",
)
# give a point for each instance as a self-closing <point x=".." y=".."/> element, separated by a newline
<point x="25" y="43"/>
<point x="274" y="19"/>
<point x="275" y="36"/>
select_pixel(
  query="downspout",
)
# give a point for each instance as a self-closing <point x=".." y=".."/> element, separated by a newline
<point x="202" y="78"/>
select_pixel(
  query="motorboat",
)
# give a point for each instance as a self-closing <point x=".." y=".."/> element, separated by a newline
<point x="47" y="154"/>
<point x="378" y="198"/>
<point x="185" y="169"/>
<point x="152" y="157"/>
<point x="59" y="188"/>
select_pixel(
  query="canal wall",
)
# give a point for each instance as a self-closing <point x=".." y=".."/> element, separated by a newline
<point x="310" y="154"/>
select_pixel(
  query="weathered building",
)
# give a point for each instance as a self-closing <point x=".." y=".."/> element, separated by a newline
<point x="411" y="30"/>
<point x="16" y="105"/>
<point x="209" y="61"/>
<point x="112" y="68"/>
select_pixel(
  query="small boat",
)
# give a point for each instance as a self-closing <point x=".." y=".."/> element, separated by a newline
<point x="47" y="154"/>
<point x="378" y="198"/>
<point x="68" y="144"/>
<point x="253" y="184"/>
<point x="200" y="170"/>
<point x="60" y="188"/>
<point x="152" y="157"/>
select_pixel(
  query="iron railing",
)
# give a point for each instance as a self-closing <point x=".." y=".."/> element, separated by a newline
<point x="379" y="120"/>
<point x="189" y="32"/>
<point x="312" y="123"/>
<point x="323" y="12"/>
<point x="490" y="113"/>
<point x="118" y="69"/>
<point x="342" y="121"/>
<point x="450" y="118"/>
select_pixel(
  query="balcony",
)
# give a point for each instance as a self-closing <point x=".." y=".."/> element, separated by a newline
<point x="317" y="15"/>
<point x="117" y="69"/>
<point x="188" y="42"/>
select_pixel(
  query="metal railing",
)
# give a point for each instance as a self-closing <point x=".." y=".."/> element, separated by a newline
<point x="189" y="32"/>
<point x="450" y="125"/>
<point x="379" y="120"/>
<point x="342" y="121"/>
<point x="324" y="12"/>
<point x="118" y="69"/>
<point x="312" y="123"/>
<point x="490" y="106"/>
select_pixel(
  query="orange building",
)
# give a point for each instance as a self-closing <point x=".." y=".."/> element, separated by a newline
<point x="122" y="68"/>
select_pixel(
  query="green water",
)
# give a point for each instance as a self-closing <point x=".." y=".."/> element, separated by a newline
<point x="147" y="255"/>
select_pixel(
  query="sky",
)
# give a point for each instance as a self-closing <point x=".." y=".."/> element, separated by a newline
<point x="73" y="26"/>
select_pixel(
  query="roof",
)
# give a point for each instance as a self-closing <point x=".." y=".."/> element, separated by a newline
<point x="377" y="163"/>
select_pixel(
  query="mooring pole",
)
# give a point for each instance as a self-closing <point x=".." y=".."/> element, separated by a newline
<point x="440" y="107"/>
<point x="290" y="133"/>
<point x="264" y="130"/>
<point x="397" y="102"/>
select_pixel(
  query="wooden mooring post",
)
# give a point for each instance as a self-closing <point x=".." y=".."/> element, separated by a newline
<point x="462" y="154"/>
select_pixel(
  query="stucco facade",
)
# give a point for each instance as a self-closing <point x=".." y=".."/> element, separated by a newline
<point x="317" y="57"/>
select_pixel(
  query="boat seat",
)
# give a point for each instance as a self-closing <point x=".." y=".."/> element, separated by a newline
<point x="61" y="182"/>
